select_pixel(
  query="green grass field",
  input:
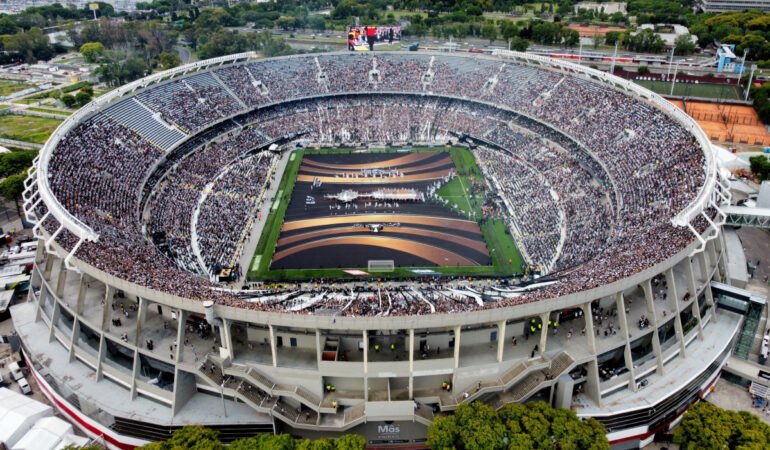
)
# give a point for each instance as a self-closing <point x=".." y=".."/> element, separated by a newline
<point x="27" y="128"/>
<point x="506" y="259"/>
<point x="8" y="87"/>
<point x="731" y="92"/>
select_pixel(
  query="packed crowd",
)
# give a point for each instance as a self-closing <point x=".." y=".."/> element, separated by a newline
<point x="179" y="193"/>
<point x="650" y="166"/>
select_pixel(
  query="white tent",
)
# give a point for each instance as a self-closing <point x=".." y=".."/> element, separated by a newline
<point x="18" y="413"/>
<point x="49" y="433"/>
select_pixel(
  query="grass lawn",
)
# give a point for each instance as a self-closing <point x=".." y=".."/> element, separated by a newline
<point x="693" y="90"/>
<point x="27" y="128"/>
<point x="506" y="259"/>
<point x="8" y="87"/>
<point x="51" y="111"/>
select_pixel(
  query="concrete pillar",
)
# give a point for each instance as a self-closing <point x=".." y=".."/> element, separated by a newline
<point x="61" y="279"/>
<point x="411" y="363"/>
<point x="677" y="319"/>
<point x="704" y="267"/>
<point x="100" y="357"/>
<point x="723" y="256"/>
<point x="365" y="335"/>
<point x="141" y="313"/>
<point x="693" y="291"/>
<point x="181" y="322"/>
<point x="82" y="290"/>
<point x="500" y="340"/>
<point x="135" y="374"/>
<point x="590" y="332"/>
<point x="650" y="300"/>
<point x="227" y="337"/>
<point x="54" y="319"/>
<point x="457" y="347"/>
<point x="48" y="267"/>
<point x="109" y="295"/>
<point x="713" y="258"/>
<point x="621" y="307"/>
<point x="41" y="299"/>
<point x="74" y="335"/>
<point x="593" y="385"/>
<point x="273" y="350"/>
<point x="319" y="350"/>
<point x="543" y="333"/>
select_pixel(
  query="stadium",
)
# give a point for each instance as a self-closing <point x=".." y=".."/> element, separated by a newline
<point x="351" y="242"/>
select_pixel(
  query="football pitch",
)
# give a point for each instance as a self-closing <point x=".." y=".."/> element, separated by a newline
<point x="337" y="209"/>
<point x="716" y="91"/>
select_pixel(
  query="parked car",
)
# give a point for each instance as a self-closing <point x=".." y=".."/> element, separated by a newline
<point x="24" y="386"/>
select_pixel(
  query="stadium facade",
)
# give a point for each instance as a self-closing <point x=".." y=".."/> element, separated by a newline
<point x="129" y="355"/>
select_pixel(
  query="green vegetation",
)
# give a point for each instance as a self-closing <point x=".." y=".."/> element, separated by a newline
<point x="201" y="438"/>
<point x="8" y="87"/>
<point x="27" y="128"/>
<point x="706" y="427"/>
<point x="13" y="168"/>
<point x="719" y="91"/>
<point x="532" y="426"/>
<point x="760" y="167"/>
<point x="506" y="259"/>
<point x="50" y="111"/>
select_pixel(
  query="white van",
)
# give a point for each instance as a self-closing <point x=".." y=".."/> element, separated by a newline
<point x="16" y="371"/>
<point x="24" y="386"/>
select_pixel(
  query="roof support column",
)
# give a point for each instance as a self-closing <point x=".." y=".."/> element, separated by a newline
<point x="620" y="305"/>
<point x="650" y="301"/>
<point x="673" y="297"/>
<point x="500" y="340"/>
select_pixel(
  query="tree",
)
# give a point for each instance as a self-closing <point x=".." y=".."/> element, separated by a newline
<point x="489" y="31"/>
<point x="598" y="40"/>
<point x="705" y="426"/>
<point x="530" y="427"/>
<point x="12" y="187"/>
<point x="189" y="438"/>
<point x="15" y="162"/>
<point x="760" y="167"/>
<point x="350" y="442"/>
<point x="611" y="37"/>
<point x="684" y="44"/>
<point x="317" y="23"/>
<point x="69" y="100"/>
<point x="32" y="45"/>
<point x="92" y="51"/>
<point x="644" y="70"/>
<point x="169" y="60"/>
<point x="519" y="44"/>
<point x="82" y="98"/>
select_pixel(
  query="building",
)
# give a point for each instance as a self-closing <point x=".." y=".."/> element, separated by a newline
<point x="718" y="6"/>
<point x="133" y="357"/>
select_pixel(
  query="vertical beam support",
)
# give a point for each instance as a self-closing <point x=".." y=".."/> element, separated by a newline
<point x="673" y="296"/>
<point x="319" y="350"/>
<point x="650" y="300"/>
<point x="500" y="340"/>
<point x="543" y="333"/>
<point x="227" y="337"/>
<point x="82" y="290"/>
<point x="100" y="357"/>
<point x="365" y="336"/>
<point x="621" y="307"/>
<point x="273" y="350"/>
<point x="180" y="331"/>
<point x="411" y="363"/>
<point x="693" y="291"/>
<point x="61" y="279"/>
<point x="589" y="323"/>
<point x="141" y="313"/>
<point x="109" y="296"/>
<point x="457" y="347"/>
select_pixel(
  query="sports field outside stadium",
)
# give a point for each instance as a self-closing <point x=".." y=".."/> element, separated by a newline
<point x="446" y="233"/>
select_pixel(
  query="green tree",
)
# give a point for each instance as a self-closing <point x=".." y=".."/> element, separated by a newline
<point x="189" y="438"/>
<point x="12" y="187"/>
<point x="350" y="442"/>
<point x="68" y="100"/>
<point x="760" y="167"/>
<point x="489" y="31"/>
<point x="611" y="37"/>
<point x="32" y="45"/>
<point x="519" y="44"/>
<point x="317" y="23"/>
<point x="169" y="60"/>
<point x="529" y="427"/>
<point x="92" y="51"/>
<point x="82" y="98"/>
<point x="15" y="162"/>
<point x="705" y="426"/>
<point x="684" y="44"/>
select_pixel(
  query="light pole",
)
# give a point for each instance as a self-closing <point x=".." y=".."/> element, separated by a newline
<point x="743" y="64"/>
<point x="670" y="61"/>
<point x="748" y="85"/>
<point x="222" y="394"/>
<point x="614" y="58"/>
<point x="673" y="80"/>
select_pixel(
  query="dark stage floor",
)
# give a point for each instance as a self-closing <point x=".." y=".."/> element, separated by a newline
<point x="320" y="232"/>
